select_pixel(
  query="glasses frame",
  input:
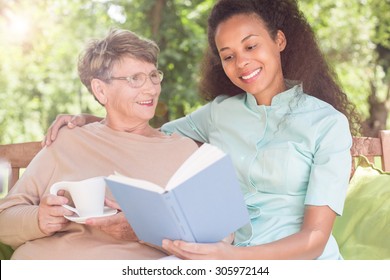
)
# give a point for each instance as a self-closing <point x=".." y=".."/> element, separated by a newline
<point x="130" y="79"/>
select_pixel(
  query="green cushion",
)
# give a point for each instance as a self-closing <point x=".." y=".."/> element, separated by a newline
<point x="5" y="252"/>
<point x="363" y="231"/>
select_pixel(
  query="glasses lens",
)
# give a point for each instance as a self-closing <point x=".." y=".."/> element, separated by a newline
<point x="156" y="77"/>
<point x="137" y="80"/>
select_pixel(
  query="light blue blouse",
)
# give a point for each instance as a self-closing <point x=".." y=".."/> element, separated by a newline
<point x="293" y="153"/>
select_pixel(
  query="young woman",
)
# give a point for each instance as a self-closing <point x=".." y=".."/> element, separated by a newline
<point x="277" y="110"/>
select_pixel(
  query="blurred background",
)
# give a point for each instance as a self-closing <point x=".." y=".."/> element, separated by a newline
<point x="40" y="41"/>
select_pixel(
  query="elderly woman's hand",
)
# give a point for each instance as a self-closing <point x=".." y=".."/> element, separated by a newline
<point x="51" y="213"/>
<point x="116" y="225"/>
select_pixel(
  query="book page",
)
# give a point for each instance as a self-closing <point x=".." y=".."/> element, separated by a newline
<point x="138" y="183"/>
<point x="199" y="160"/>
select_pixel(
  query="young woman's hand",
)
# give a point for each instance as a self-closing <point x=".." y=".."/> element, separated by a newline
<point x="70" y="121"/>
<point x="200" y="251"/>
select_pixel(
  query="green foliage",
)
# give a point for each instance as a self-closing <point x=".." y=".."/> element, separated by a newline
<point x="349" y="33"/>
<point x="38" y="72"/>
<point x="38" y="77"/>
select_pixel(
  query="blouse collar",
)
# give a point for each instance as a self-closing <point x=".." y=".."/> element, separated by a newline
<point x="294" y="88"/>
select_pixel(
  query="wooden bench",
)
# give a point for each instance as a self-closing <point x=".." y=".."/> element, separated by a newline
<point x="373" y="148"/>
<point x="19" y="155"/>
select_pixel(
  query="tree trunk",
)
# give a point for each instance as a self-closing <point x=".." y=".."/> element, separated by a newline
<point x="155" y="15"/>
<point x="379" y="111"/>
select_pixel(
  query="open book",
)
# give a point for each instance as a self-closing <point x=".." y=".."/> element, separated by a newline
<point x="202" y="202"/>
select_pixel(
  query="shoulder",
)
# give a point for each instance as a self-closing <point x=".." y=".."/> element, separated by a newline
<point x="218" y="108"/>
<point x="224" y="103"/>
<point x="183" y="140"/>
<point x="77" y="137"/>
<point x="317" y="108"/>
<point x="225" y="99"/>
<point x="65" y="134"/>
<point x="317" y="103"/>
<point x="322" y="119"/>
<point x="303" y="102"/>
<point x="221" y="101"/>
<point x="324" y="109"/>
<point x="330" y="123"/>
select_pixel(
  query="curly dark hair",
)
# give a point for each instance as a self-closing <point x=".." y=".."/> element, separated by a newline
<point x="301" y="60"/>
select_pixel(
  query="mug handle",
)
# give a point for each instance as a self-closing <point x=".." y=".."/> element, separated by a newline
<point x="62" y="186"/>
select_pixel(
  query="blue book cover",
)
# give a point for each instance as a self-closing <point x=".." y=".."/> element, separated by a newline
<point x="204" y="206"/>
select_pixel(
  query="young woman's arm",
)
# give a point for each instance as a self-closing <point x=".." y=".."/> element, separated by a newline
<point x="308" y="243"/>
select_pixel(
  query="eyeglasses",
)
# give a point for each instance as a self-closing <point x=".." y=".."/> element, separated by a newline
<point x="139" y="79"/>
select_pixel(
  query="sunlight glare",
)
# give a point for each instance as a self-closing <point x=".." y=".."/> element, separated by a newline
<point x="18" y="26"/>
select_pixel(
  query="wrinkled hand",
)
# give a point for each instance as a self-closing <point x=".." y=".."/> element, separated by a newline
<point x="222" y="250"/>
<point x="116" y="225"/>
<point x="71" y="121"/>
<point x="51" y="213"/>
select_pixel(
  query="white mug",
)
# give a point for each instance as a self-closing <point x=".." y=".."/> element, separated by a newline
<point x="88" y="195"/>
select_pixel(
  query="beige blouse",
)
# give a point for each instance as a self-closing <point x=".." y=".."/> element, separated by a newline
<point x="80" y="153"/>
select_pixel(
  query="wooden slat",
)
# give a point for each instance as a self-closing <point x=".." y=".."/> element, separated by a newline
<point x="15" y="174"/>
<point x="367" y="146"/>
<point x="372" y="147"/>
<point x="19" y="156"/>
<point x="384" y="135"/>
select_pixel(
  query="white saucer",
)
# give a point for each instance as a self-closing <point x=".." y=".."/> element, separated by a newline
<point x="81" y="220"/>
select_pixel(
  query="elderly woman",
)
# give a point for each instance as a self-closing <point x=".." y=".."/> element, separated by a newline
<point x="121" y="72"/>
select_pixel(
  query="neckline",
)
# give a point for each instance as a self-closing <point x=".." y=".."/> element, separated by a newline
<point x="160" y="136"/>
<point x="293" y="89"/>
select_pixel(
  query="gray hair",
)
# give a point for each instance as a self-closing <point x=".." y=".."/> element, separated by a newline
<point x="99" y="57"/>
